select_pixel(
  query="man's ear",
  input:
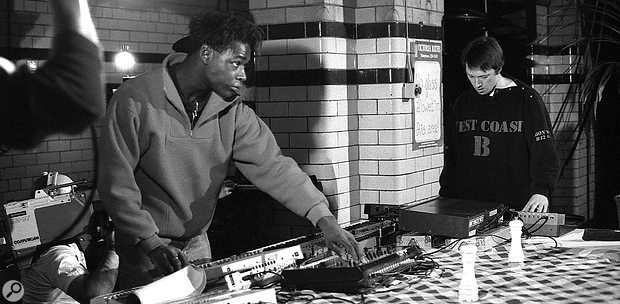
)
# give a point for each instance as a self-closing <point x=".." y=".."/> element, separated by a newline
<point x="205" y="53"/>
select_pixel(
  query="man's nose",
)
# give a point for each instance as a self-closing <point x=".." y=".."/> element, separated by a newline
<point x="241" y="74"/>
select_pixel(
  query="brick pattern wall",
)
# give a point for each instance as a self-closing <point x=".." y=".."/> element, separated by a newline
<point x="354" y="133"/>
<point x="149" y="27"/>
<point x="555" y="78"/>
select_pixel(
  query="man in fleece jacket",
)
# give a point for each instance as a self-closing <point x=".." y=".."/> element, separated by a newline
<point x="167" y="142"/>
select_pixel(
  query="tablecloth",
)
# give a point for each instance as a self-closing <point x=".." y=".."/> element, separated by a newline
<point x="549" y="275"/>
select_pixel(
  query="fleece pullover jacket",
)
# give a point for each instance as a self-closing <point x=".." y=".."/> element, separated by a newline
<point x="160" y="178"/>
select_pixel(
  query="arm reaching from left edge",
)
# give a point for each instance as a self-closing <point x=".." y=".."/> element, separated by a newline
<point x="340" y="240"/>
<point x="65" y="94"/>
<point x="73" y="16"/>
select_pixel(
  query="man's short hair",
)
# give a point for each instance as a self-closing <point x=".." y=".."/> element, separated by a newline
<point x="220" y="29"/>
<point x="483" y="52"/>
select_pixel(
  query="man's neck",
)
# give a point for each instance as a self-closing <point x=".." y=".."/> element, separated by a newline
<point x="188" y="82"/>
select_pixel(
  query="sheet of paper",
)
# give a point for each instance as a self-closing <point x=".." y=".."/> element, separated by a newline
<point x="183" y="283"/>
<point x="575" y="239"/>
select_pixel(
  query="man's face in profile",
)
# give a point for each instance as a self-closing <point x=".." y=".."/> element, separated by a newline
<point x="225" y="70"/>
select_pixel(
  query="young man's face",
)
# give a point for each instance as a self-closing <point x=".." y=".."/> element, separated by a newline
<point x="226" y="70"/>
<point x="483" y="81"/>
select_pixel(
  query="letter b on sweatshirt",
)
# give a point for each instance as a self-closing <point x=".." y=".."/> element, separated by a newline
<point x="481" y="146"/>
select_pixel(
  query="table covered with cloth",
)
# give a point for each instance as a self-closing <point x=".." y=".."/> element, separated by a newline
<point x="549" y="275"/>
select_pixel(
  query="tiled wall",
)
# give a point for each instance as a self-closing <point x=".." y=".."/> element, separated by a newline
<point x="555" y="77"/>
<point x="330" y="81"/>
<point x="331" y="85"/>
<point x="148" y="27"/>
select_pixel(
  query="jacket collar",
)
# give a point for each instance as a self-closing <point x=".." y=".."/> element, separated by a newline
<point x="215" y="103"/>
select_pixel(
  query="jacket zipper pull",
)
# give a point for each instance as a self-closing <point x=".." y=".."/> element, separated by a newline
<point x="194" y="113"/>
<point x="193" y="118"/>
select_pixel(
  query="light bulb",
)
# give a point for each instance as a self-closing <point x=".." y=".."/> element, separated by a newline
<point x="124" y="60"/>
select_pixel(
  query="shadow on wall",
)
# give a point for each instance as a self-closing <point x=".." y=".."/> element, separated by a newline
<point x="332" y="139"/>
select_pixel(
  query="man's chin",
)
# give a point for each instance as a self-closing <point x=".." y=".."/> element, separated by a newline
<point x="227" y="95"/>
<point x="231" y="97"/>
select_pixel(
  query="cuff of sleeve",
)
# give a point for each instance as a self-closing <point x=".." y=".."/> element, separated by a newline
<point x="317" y="212"/>
<point x="542" y="189"/>
<point x="150" y="243"/>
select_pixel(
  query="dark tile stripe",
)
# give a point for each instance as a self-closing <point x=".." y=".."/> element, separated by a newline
<point x="342" y="30"/>
<point x="23" y="53"/>
<point x="42" y="54"/>
<point x="278" y="31"/>
<point x="556" y="78"/>
<point x="286" y="31"/>
<point x="367" y="76"/>
<point x="329" y="77"/>
<point x="350" y="30"/>
<point x="555" y="50"/>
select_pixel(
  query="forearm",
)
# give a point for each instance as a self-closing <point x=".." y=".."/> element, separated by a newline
<point x="103" y="279"/>
<point x="99" y="282"/>
<point x="257" y="155"/>
<point x="73" y="15"/>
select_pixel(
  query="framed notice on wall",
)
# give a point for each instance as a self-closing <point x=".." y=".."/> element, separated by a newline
<point x="428" y="99"/>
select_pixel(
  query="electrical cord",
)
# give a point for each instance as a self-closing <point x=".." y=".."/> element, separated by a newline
<point x="299" y="296"/>
<point x="293" y="295"/>
<point x="422" y="268"/>
<point x="552" y="238"/>
<point x="494" y="221"/>
<point x="259" y="281"/>
<point x="91" y="195"/>
<point x="441" y="248"/>
<point x="330" y="297"/>
<point x="527" y="232"/>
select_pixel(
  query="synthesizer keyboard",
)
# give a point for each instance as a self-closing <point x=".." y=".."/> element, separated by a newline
<point x="236" y="271"/>
<point x="282" y="255"/>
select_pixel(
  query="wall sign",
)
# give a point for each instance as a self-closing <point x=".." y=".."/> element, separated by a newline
<point x="427" y="101"/>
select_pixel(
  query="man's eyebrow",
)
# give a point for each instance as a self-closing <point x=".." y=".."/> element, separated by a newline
<point x="485" y="74"/>
<point x="242" y="57"/>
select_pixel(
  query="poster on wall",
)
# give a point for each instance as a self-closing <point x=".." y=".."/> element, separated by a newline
<point x="427" y="101"/>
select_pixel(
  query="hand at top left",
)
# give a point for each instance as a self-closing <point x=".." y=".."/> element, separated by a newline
<point x="339" y="240"/>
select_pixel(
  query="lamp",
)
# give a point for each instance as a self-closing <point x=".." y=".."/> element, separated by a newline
<point x="124" y="60"/>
